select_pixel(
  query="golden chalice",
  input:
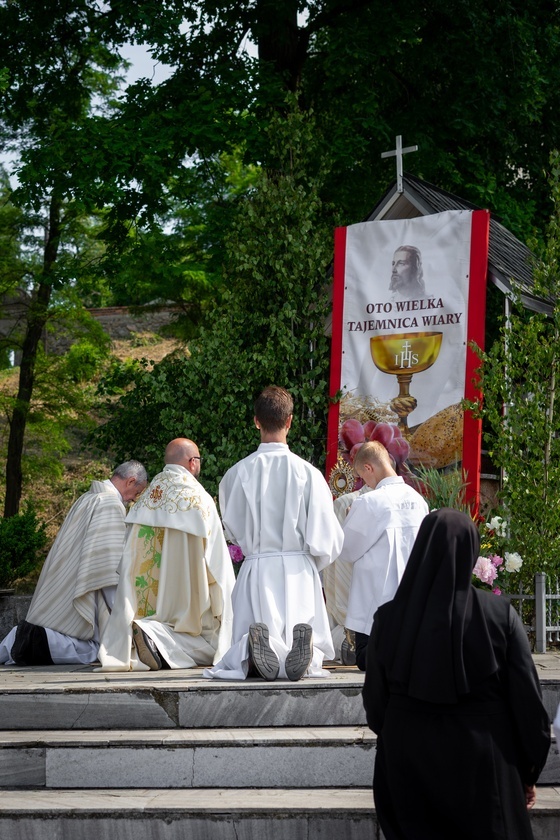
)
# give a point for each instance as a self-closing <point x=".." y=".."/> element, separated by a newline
<point x="404" y="354"/>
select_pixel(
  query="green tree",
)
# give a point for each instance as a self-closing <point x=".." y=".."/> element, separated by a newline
<point x="474" y="85"/>
<point x="521" y="410"/>
<point x="57" y="67"/>
<point x="269" y="328"/>
<point x="178" y="258"/>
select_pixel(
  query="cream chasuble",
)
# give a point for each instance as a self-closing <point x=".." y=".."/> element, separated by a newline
<point x="176" y="577"/>
<point x="83" y="559"/>
<point x="337" y="577"/>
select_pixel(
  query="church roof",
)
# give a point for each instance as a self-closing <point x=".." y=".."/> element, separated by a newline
<point x="508" y="258"/>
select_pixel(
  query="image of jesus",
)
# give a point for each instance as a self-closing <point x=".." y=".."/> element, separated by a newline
<point x="407" y="276"/>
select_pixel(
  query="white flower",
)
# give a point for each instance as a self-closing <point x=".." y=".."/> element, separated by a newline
<point x="513" y="561"/>
<point x="497" y="525"/>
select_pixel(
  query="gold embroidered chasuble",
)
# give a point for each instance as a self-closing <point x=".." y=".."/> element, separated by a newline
<point x="176" y="576"/>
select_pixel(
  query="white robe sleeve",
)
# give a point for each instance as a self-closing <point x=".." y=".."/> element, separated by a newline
<point x="362" y="528"/>
<point x="324" y="535"/>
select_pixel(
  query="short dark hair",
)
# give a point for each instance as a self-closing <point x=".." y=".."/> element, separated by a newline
<point x="273" y="406"/>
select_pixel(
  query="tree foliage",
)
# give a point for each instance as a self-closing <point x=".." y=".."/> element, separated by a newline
<point x="521" y="410"/>
<point x="22" y="540"/>
<point x="153" y="174"/>
<point x="476" y="86"/>
<point x="56" y="66"/>
<point x="269" y="328"/>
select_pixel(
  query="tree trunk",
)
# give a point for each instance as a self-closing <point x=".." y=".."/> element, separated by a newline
<point x="36" y="321"/>
<point x="280" y="40"/>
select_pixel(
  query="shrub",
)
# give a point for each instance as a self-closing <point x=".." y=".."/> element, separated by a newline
<point x="22" y="540"/>
<point x="84" y="359"/>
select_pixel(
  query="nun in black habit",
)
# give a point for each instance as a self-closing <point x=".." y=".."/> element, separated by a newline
<point x="453" y="695"/>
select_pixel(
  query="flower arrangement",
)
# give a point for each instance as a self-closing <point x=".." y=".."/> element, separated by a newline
<point x="353" y="434"/>
<point x="491" y="568"/>
<point x="237" y="557"/>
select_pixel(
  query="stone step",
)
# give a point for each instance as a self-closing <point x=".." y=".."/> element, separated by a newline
<point x="237" y="758"/>
<point x="81" y="698"/>
<point x="218" y="814"/>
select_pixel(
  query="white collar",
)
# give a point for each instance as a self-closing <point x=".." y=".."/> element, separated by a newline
<point x="177" y="468"/>
<point x="391" y="479"/>
<point x="273" y="445"/>
<point x="108" y="483"/>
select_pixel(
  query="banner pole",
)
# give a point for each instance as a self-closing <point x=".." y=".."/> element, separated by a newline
<point x="336" y="345"/>
<point x="472" y="427"/>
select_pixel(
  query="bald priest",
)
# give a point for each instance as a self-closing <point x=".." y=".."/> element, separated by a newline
<point x="173" y="603"/>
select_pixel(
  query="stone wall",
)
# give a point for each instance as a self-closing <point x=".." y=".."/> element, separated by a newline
<point x="13" y="609"/>
<point x="119" y="323"/>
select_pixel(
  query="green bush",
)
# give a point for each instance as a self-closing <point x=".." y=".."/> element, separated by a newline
<point x="84" y="360"/>
<point x="22" y="540"/>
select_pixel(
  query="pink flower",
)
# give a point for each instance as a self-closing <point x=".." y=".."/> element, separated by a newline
<point x="235" y="553"/>
<point x="496" y="560"/>
<point x="485" y="570"/>
<point x="497" y="591"/>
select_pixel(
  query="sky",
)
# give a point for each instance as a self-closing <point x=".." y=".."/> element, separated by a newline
<point x="143" y="66"/>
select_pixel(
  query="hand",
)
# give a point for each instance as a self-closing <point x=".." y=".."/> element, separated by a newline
<point x="530" y="795"/>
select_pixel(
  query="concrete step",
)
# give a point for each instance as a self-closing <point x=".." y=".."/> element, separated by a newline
<point x="217" y="814"/>
<point x="237" y="758"/>
<point x="198" y="758"/>
<point x="81" y="698"/>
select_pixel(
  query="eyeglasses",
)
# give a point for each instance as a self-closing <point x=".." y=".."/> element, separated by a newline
<point x="196" y="458"/>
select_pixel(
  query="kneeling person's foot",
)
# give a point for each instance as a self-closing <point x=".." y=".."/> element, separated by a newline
<point x="348" y="648"/>
<point x="299" y="658"/>
<point x="31" y="645"/>
<point x="146" y="648"/>
<point x="261" y="656"/>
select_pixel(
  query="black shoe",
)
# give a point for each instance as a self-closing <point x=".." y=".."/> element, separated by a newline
<point x="348" y="648"/>
<point x="31" y="646"/>
<point x="261" y="655"/>
<point x="146" y="648"/>
<point x="299" y="658"/>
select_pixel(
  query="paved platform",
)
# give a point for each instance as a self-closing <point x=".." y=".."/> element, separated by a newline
<point x="62" y="677"/>
<point x="83" y="698"/>
<point x="59" y="677"/>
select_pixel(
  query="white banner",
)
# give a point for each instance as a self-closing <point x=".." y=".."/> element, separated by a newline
<point x="406" y="287"/>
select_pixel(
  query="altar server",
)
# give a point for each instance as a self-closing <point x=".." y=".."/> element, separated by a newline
<point x="278" y="509"/>
<point x="379" y="533"/>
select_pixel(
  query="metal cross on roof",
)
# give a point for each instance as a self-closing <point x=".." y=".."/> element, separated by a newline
<point x="398" y="153"/>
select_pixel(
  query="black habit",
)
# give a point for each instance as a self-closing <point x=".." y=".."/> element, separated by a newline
<point x="453" y="695"/>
